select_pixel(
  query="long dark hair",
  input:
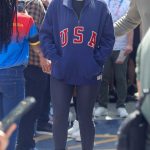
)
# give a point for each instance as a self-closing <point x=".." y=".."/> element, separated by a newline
<point x="8" y="9"/>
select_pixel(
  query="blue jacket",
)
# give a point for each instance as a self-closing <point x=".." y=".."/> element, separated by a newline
<point x="77" y="47"/>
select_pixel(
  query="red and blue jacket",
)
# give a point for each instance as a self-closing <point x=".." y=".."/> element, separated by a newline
<point x="17" y="51"/>
<point x="77" y="47"/>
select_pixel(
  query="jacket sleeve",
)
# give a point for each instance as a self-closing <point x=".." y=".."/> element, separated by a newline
<point x="129" y="21"/>
<point x="106" y="41"/>
<point x="47" y="35"/>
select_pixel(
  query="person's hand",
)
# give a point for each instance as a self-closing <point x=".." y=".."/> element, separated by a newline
<point x="45" y="64"/>
<point x="128" y="49"/>
<point x="121" y="57"/>
<point x="4" y="137"/>
<point x="119" y="62"/>
<point x="124" y="53"/>
<point x="138" y="82"/>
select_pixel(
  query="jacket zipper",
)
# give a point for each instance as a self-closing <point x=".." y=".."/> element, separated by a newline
<point x="79" y="15"/>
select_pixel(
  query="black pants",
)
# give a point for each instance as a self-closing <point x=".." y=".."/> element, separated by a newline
<point x="45" y="110"/>
<point x="35" y="85"/>
<point x="120" y="71"/>
<point x="61" y="94"/>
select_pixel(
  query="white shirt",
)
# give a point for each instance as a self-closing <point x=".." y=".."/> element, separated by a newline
<point x="118" y="8"/>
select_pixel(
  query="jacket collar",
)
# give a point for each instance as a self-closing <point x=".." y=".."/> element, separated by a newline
<point x="68" y="3"/>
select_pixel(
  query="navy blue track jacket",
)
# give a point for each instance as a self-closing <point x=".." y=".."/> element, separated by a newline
<point x="77" y="47"/>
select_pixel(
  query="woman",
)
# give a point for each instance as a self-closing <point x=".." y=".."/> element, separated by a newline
<point x="17" y="31"/>
<point x="116" y="64"/>
<point x="77" y="36"/>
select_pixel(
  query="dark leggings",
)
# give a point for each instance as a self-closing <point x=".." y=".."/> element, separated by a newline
<point x="61" y="94"/>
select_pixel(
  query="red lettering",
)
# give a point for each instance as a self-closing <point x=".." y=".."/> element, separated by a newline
<point x="64" y="37"/>
<point x="92" y="41"/>
<point x="78" y="34"/>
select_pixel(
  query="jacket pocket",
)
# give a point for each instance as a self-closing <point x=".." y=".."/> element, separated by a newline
<point x="93" y="69"/>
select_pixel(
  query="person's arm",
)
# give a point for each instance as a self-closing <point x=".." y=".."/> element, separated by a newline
<point x="46" y="35"/>
<point x="35" y="44"/>
<point x="138" y="63"/>
<point x="129" y="47"/>
<point x="128" y="21"/>
<point x="127" y="50"/>
<point x="45" y="63"/>
<point x="106" y="41"/>
<point x="4" y="137"/>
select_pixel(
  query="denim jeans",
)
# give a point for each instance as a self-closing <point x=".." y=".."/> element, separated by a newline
<point x="11" y="93"/>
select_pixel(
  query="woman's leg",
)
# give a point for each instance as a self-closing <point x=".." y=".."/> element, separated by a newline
<point x="86" y="97"/>
<point x="61" y="94"/>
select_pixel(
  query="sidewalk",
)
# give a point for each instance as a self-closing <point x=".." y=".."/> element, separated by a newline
<point x="106" y="132"/>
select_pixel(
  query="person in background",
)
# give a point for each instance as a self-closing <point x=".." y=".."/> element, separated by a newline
<point x="132" y="89"/>
<point x="143" y="76"/>
<point x="122" y="44"/>
<point x="4" y="137"/>
<point x="139" y="12"/>
<point x="14" y="54"/>
<point x="46" y="3"/>
<point x="134" y="16"/>
<point x="36" y="81"/>
<point x="44" y="124"/>
<point x="77" y="49"/>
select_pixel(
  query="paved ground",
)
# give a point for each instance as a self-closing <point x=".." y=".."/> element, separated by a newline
<point x="106" y="130"/>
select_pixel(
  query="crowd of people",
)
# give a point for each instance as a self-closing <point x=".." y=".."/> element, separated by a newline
<point x="70" y="48"/>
